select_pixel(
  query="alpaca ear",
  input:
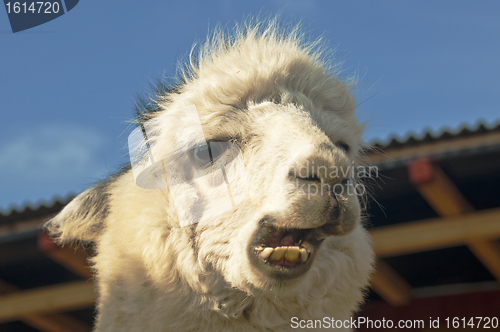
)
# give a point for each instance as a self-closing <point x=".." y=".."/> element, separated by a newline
<point x="84" y="218"/>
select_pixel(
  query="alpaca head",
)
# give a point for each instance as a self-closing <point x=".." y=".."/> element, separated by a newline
<point x="246" y="169"/>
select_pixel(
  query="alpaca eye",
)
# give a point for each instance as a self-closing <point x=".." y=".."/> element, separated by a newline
<point x="207" y="153"/>
<point x="202" y="155"/>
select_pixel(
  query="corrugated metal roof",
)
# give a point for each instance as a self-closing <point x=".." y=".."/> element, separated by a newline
<point x="429" y="135"/>
<point x="28" y="210"/>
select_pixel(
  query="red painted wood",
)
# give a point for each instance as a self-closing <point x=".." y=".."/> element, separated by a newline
<point x="420" y="170"/>
<point x="45" y="242"/>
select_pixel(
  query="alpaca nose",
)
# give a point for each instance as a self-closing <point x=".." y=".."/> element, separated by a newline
<point x="322" y="178"/>
<point x="328" y="165"/>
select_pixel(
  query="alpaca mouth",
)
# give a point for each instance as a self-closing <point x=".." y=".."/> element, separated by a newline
<point x="283" y="253"/>
<point x="283" y="248"/>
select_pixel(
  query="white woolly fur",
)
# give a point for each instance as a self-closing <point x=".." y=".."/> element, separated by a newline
<point x="279" y="100"/>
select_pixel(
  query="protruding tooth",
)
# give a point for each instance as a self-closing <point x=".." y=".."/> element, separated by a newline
<point x="303" y="255"/>
<point x="266" y="252"/>
<point x="278" y="253"/>
<point x="292" y="254"/>
<point x="259" y="248"/>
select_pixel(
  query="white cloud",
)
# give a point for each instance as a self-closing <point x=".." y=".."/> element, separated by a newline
<point x="55" y="151"/>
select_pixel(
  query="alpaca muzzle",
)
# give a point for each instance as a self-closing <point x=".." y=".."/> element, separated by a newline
<point x="284" y="248"/>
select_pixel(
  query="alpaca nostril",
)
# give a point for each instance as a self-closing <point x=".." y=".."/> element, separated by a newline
<point x="334" y="203"/>
<point x="334" y="214"/>
<point x="311" y="178"/>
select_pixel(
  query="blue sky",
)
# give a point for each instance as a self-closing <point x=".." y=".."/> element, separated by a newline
<point x="67" y="87"/>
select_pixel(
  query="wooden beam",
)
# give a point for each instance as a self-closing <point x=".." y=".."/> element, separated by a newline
<point x="390" y="285"/>
<point x="20" y="229"/>
<point x="74" y="259"/>
<point x="6" y="288"/>
<point x="436" y="233"/>
<point x="46" y="300"/>
<point x="488" y="252"/>
<point x="56" y="323"/>
<point x="447" y="200"/>
<point x="48" y="323"/>
<point x="407" y="153"/>
<point x="437" y="188"/>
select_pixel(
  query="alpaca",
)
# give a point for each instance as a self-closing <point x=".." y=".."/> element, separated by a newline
<point x="287" y="251"/>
